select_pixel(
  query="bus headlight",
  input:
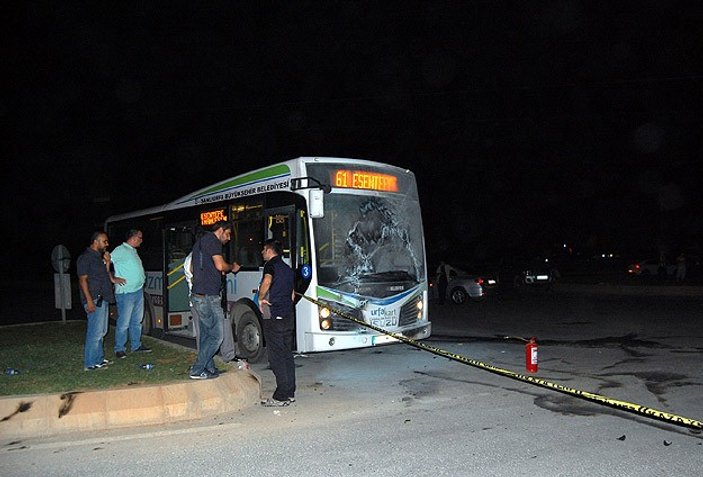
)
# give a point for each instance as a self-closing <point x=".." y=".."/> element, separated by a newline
<point x="332" y="316"/>
<point x="420" y="306"/>
<point x="325" y="321"/>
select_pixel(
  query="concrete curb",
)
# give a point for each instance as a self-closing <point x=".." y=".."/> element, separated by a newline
<point x="48" y="414"/>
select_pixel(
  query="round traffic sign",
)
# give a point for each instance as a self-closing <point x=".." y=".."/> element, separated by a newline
<point x="60" y="259"/>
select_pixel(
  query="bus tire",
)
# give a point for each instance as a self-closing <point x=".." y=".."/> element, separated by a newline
<point x="250" y="338"/>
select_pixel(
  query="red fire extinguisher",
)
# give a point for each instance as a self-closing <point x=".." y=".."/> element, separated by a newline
<point x="531" y="356"/>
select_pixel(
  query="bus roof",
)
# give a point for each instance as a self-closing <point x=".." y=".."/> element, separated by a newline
<point x="265" y="179"/>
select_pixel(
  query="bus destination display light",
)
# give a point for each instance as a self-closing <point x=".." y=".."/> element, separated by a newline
<point x="210" y="217"/>
<point x="364" y="180"/>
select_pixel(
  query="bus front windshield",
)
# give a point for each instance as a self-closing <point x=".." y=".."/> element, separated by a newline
<point x="370" y="244"/>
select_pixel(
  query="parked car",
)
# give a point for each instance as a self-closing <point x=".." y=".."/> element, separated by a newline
<point x="534" y="272"/>
<point x="649" y="267"/>
<point x="463" y="288"/>
<point x="534" y="277"/>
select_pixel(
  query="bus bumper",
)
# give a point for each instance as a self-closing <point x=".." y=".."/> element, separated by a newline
<point x="330" y="341"/>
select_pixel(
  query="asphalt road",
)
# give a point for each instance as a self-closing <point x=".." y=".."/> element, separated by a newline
<point x="395" y="410"/>
<point x="568" y="316"/>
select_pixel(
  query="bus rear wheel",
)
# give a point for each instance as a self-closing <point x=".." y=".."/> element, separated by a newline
<point x="250" y="338"/>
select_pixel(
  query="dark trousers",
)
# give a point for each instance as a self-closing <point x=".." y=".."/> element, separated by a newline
<point x="279" y="346"/>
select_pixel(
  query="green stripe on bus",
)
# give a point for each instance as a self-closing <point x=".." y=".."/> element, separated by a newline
<point x="274" y="171"/>
<point x="322" y="293"/>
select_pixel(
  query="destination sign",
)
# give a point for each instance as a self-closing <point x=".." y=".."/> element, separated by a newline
<point x="364" y="180"/>
<point x="210" y="217"/>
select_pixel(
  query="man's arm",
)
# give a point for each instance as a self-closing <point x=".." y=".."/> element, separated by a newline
<point x="264" y="289"/>
<point x="223" y="266"/>
<point x="107" y="258"/>
<point x="83" y="283"/>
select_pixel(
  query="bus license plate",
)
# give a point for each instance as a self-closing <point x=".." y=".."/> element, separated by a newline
<point x="377" y="340"/>
<point x="385" y="322"/>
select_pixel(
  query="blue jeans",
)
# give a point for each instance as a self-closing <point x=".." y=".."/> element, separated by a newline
<point x="227" y="350"/>
<point x="130" y="312"/>
<point x="94" y="334"/>
<point x="212" y="317"/>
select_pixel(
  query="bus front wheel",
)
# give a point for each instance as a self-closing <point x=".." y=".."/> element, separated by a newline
<point x="250" y="338"/>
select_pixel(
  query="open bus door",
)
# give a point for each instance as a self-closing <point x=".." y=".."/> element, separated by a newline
<point x="179" y="239"/>
<point x="279" y="225"/>
<point x="289" y="226"/>
<point x="250" y="231"/>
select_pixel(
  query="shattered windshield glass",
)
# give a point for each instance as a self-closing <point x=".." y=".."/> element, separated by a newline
<point x="366" y="242"/>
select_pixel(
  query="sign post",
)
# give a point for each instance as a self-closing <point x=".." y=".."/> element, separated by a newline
<point x="61" y="260"/>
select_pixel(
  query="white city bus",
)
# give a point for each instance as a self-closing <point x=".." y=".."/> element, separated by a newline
<point x="351" y="230"/>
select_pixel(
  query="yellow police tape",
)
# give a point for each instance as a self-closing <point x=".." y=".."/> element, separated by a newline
<point x="598" y="398"/>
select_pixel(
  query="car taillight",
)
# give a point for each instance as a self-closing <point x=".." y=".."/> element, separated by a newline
<point x="479" y="280"/>
<point x="637" y="266"/>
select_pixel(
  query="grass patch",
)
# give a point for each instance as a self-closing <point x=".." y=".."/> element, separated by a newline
<point x="49" y="357"/>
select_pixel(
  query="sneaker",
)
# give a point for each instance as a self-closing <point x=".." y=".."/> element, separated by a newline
<point x="271" y="402"/>
<point x="214" y="372"/>
<point x="291" y="399"/>
<point x="104" y="363"/>
<point x="95" y="367"/>
<point x="243" y="364"/>
<point x="142" y="349"/>
<point x="120" y="355"/>
<point x="203" y="375"/>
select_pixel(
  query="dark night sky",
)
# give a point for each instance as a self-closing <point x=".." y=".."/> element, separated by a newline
<point x="530" y="123"/>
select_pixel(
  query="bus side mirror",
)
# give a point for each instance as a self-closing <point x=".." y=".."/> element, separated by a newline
<point x="316" y="205"/>
<point x="316" y="201"/>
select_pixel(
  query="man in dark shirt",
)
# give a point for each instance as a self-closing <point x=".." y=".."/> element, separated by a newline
<point x="209" y="267"/>
<point x="276" y="296"/>
<point x="95" y="282"/>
